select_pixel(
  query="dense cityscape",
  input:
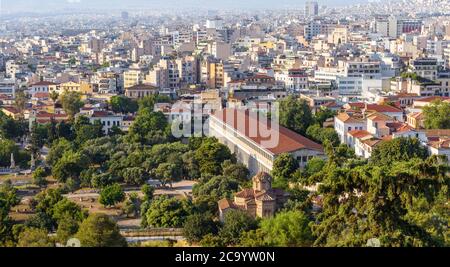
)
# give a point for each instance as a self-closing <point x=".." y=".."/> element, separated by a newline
<point x="306" y="124"/>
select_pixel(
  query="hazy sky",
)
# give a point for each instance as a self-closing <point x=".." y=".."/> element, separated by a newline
<point x="49" y="5"/>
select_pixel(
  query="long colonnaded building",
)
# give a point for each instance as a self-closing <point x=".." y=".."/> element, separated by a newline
<point x="257" y="144"/>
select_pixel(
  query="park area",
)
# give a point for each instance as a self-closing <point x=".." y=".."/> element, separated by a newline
<point x="88" y="198"/>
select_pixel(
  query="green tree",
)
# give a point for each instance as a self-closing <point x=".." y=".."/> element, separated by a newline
<point x="437" y="115"/>
<point x="253" y="238"/>
<point x="299" y="200"/>
<point x="54" y="96"/>
<point x="8" y="199"/>
<point x="167" y="173"/>
<point x="135" y="176"/>
<point x="20" y="102"/>
<point x="7" y="147"/>
<point x="287" y="229"/>
<point x="85" y="131"/>
<point x="149" y="127"/>
<point x="314" y="165"/>
<point x="98" y="230"/>
<point x="319" y="134"/>
<point x="323" y="115"/>
<point x="123" y="104"/>
<point x="39" y="177"/>
<point x="57" y="150"/>
<point x="367" y="201"/>
<point x="68" y="216"/>
<point x="131" y="206"/>
<point x="236" y="222"/>
<point x="148" y="192"/>
<point x="71" y="103"/>
<point x="236" y="171"/>
<point x="197" y="226"/>
<point x="284" y="167"/>
<point x="64" y="130"/>
<point x="216" y="187"/>
<point x="151" y="100"/>
<point x="44" y="204"/>
<point x="191" y="168"/>
<point x="69" y="166"/>
<point x="167" y="211"/>
<point x="398" y="149"/>
<point x="211" y="240"/>
<point x="10" y="128"/>
<point x="111" y="194"/>
<point x="210" y="155"/>
<point x="39" y="136"/>
<point x="33" y="237"/>
<point x="295" y="114"/>
<point x="66" y="229"/>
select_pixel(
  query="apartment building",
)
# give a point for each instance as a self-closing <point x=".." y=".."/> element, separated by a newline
<point x="212" y="73"/>
<point x="7" y="87"/>
<point x="42" y="87"/>
<point x="140" y="91"/>
<point x="425" y="67"/>
<point x="345" y="122"/>
<point x="82" y="87"/>
<point x="133" y="76"/>
<point x="292" y="79"/>
<point x="174" y="73"/>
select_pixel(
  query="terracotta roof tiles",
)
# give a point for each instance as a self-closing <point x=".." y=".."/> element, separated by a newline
<point x="243" y="122"/>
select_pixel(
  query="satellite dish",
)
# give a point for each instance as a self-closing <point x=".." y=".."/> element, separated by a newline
<point x="73" y="242"/>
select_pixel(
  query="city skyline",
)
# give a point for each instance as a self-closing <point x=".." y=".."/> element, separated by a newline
<point x="232" y="124"/>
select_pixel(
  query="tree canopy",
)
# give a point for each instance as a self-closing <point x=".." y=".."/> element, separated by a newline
<point x="123" y="104"/>
<point x="98" y="230"/>
<point x="295" y="114"/>
<point x="437" y="115"/>
<point x="71" y="103"/>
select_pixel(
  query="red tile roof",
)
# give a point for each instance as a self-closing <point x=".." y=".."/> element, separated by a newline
<point x="97" y="114"/>
<point x="43" y="83"/>
<point x="288" y="141"/>
<point x="345" y="117"/>
<point x="374" y="107"/>
<point x="383" y="108"/>
<point x="41" y="95"/>
<point x="11" y="109"/>
<point x="225" y="204"/>
<point x="359" y="133"/>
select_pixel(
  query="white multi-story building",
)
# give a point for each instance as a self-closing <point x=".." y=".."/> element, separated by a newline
<point x="426" y="68"/>
<point x="7" y="87"/>
<point x="344" y="123"/>
<point x="293" y="79"/>
<point x="107" y="120"/>
<point x="43" y="87"/>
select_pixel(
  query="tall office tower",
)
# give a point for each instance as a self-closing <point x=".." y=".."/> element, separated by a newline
<point x="311" y="9"/>
<point x="124" y="15"/>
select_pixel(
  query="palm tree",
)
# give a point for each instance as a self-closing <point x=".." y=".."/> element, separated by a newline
<point x="20" y="102"/>
<point x="54" y="96"/>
